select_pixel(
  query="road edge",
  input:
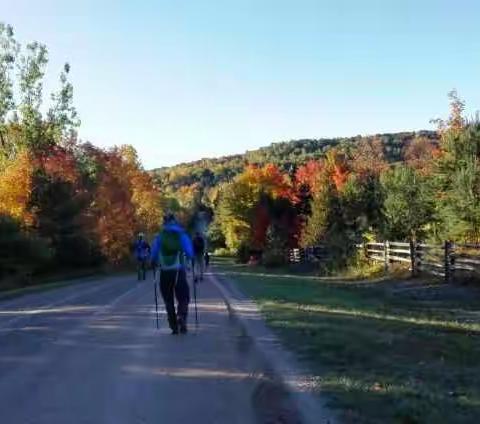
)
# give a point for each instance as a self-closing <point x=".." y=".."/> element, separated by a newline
<point x="56" y="282"/>
<point x="282" y="363"/>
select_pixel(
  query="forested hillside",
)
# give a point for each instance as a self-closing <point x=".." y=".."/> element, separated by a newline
<point x="287" y="155"/>
<point x="339" y="192"/>
<point x="210" y="184"/>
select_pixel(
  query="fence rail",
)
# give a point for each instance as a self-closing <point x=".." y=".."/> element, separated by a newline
<point x="448" y="260"/>
<point x="308" y="254"/>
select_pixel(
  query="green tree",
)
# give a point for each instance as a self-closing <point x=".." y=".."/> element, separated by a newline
<point x="216" y="238"/>
<point x="408" y="205"/>
<point x="59" y="221"/>
<point x="62" y="116"/>
<point x="458" y="184"/>
<point x="8" y="54"/>
<point x="235" y="213"/>
<point x="32" y="67"/>
<point x="21" y="97"/>
<point x="324" y="206"/>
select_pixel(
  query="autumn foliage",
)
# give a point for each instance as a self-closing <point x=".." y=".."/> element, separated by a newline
<point x="106" y="203"/>
<point x="353" y="193"/>
<point x="82" y="205"/>
<point x="16" y="187"/>
<point x="307" y="175"/>
<point x="420" y="153"/>
<point x="58" y="163"/>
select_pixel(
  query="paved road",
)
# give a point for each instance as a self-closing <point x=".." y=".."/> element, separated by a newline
<point x="89" y="353"/>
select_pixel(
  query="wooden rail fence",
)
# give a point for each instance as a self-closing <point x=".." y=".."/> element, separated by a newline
<point x="449" y="260"/>
<point x="308" y="254"/>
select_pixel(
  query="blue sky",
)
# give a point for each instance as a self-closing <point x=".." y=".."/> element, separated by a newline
<point x="181" y="80"/>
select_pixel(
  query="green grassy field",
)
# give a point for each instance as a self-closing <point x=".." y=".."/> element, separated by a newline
<point x="385" y="352"/>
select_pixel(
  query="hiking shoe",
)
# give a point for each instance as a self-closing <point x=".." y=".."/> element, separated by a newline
<point x="174" y="331"/>
<point x="182" y="325"/>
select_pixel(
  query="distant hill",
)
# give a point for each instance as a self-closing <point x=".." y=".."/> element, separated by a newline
<point x="288" y="155"/>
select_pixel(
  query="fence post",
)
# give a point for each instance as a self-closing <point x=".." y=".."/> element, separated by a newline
<point x="386" y="254"/>
<point x="413" y="257"/>
<point x="447" y="259"/>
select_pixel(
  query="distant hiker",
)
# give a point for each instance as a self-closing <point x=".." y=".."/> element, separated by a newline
<point x="142" y="253"/>
<point x="199" y="256"/>
<point x="169" y="249"/>
<point x="207" y="259"/>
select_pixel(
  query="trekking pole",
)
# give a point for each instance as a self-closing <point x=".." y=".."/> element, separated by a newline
<point x="195" y="300"/>
<point x="193" y="269"/>
<point x="156" y="295"/>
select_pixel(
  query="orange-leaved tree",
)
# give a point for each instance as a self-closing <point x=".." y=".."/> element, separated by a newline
<point x="306" y="175"/>
<point x="368" y="159"/>
<point x="420" y="154"/>
<point x="16" y="188"/>
<point x="248" y="205"/>
<point x="146" y="197"/>
<point x="113" y="213"/>
<point x="125" y="201"/>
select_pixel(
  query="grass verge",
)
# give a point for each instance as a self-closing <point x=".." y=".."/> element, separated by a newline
<point x="385" y="352"/>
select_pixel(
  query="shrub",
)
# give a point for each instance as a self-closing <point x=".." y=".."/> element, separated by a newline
<point x="223" y="252"/>
<point x="21" y="254"/>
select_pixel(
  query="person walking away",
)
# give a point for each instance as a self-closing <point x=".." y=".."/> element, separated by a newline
<point x="142" y="253"/>
<point x="169" y="250"/>
<point x="207" y="259"/>
<point x="199" y="257"/>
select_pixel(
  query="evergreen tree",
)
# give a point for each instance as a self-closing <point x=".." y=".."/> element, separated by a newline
<point x="276" y="246"/>
<point x="408" y="205"/>
<point x="458" y="184"/>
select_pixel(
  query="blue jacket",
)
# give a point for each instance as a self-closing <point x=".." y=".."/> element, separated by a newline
<point x="142" y="250"/>
<point x="187" y="247"/>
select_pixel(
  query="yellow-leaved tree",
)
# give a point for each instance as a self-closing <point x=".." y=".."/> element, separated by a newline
<point x="16" y="188"/>
<point x="146" y="197"/>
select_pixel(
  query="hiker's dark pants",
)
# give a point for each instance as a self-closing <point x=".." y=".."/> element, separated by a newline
<point x="170" y="290"/>
<point x="199" y="265"/>
<point x="141" y="269"/>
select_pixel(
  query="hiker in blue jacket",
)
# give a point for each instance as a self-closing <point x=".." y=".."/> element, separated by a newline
<point x="142" y="254"/>
<point x="169" y="250"/>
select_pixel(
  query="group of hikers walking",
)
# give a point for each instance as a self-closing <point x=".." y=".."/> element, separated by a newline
<point x="172" y="252"/>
